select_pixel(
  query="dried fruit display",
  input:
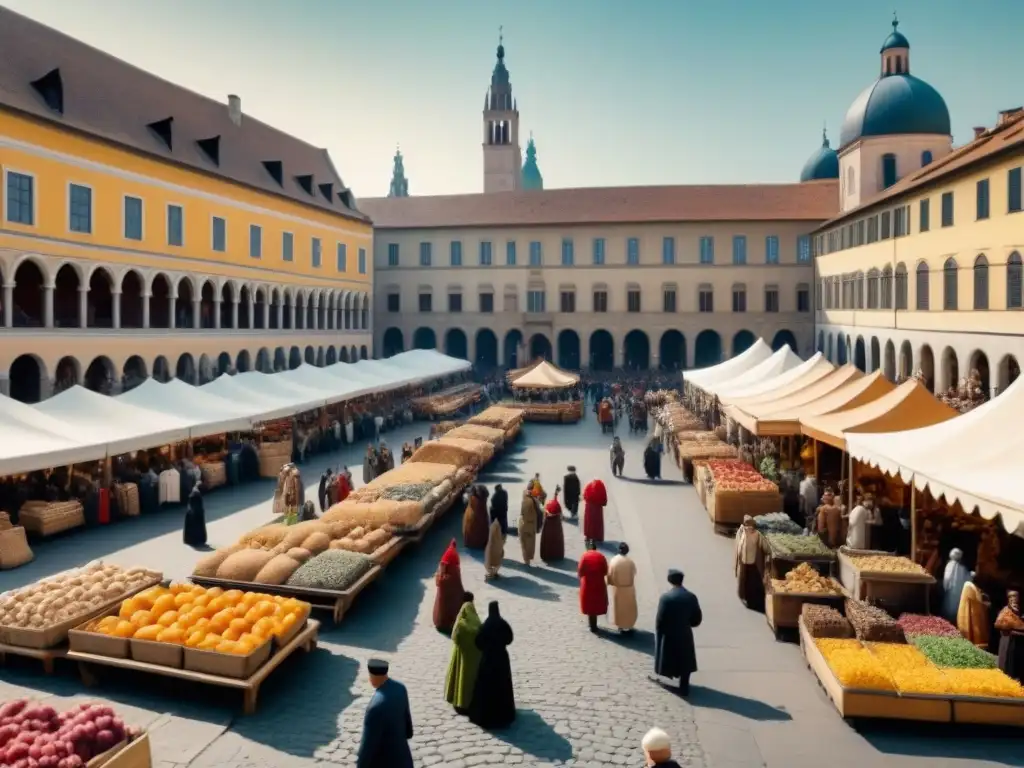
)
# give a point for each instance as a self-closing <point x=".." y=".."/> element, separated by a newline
<point x="993" y="683"/>
<point x="854" y="665"/>
<point x="911" y="670"/>
<point x="805" y="580"/>
<point x="886" y="564"/>
<point x="825" y="621"/>
<point x="336" y="569"/>
<point x="35" y="736"/>
<point x="917" y="624"/>
<point x="735" y="475"/>
<point x="777" y="522"/>
<point x="873" y="624"/>
<point x="954" y="652"/>
<point x="795" y="545"/>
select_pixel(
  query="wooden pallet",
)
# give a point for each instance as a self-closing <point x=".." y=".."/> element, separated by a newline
<point x="45" y="655"/>
<point x="305" y="639"/>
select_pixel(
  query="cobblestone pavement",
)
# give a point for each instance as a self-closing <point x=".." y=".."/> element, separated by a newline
<point x="583" y="700"/>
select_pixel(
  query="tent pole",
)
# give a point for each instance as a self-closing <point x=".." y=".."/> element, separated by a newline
<point x="913" y="520"/>
<point x="849" y="494"/>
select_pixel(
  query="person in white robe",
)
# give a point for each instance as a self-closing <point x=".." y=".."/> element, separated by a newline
<point x="622" y="579"/>
<point x="953" y="580"/>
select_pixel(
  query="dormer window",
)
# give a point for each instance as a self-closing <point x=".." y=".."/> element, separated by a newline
<point x="306" y="182"/>
<point x="51" y="88"/>
<point x="346" y="199"/>
<point x="162" y="129"/>
<point x="276" y="170"/>
<point x="211" y="148"/>
<point x="327" y="190"/>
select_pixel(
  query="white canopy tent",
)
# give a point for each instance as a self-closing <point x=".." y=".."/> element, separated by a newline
<point x="302" y="398"/>
<point x="769" y="368"/>
<point x="24" y="449"/>
<point x="755" y="354"/>
<point x="264" y="404"/>
<point x="207" y="413"/>
<point x="793" y="371"/>
<point x="972" y="459"/>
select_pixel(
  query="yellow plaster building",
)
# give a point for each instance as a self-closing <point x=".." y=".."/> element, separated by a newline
<point x="148" y="230"/>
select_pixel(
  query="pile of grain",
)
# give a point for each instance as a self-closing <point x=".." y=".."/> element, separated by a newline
<point x="498" y="417"/>
<point x="495" y="437"/>
<point x="445" y="451"/>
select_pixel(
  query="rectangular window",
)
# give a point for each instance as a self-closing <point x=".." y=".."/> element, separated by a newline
<point x="316" y="255"/>
<point x="487" y="303"/>
<point x="668" y="250"/>
<point x="362" y="261"/>
<point x="947" y="209"/>
<point x="485" y="253"/>
<point x="888" y="171"/>
<point x="771" y="299"/>
<point x="899" y="221"/>
<point x="219" y="235"/>
<point x="175" y="225"/>
<point x="739" y="249"/>
<point x="568" y="253"/>
<point x="886" y="225"/>
<point x="633" y="300"/>
<point x="598" y="251"/>
<point x="510" y="253"/>
<point x="600" y="301"/>
<point x="455" y="303"/>
<point x="568" y="301"/>
<point x="706" y="300"/>
<point x="633" y="251"/>
<point x="873" y="229"/>
<point x="668" y="300"/>
<point x="426" y="302"/>
<point x="455" y="253"/>
<point x="80" y="209"/>
<point x="739" y="299"/>
<point x="394" y="302"/>
<point x="535" y="301"/>
<point x="771" y="249"/>
<point x="803" y="249"/>
<point x="425" y="254"/>
<point x="982" y="199"/>
<point x="132" y="218"/>
<point x="536" y="254"/>
<point x="342" y="258"/>
<point x="707" y="249"/>
<point x="21" y="208"/>
<point x="393" y="254"/>
<point x="1013" y="191"/>
<point x="924" y="216"/>
<point x="803" y="298"/>
<point x="255" y="241"/>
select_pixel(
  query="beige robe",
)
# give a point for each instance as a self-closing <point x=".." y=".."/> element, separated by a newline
<point x="494" y="553"/>
<point x="527" y="527"/>
<point x="621" y="578"/>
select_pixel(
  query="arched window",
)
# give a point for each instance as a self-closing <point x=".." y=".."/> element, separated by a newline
<point x="873" y="289"/>
<point x="886" y="290"/>
<point x="981" y="282"/>
<point x="1014" y="270"/>
<point x="950" y="292"/>
<point x="888" y="170"/>
<point x="926" y="157"/>
<point x="901" y="287"/>
<point x="922" y="287"/>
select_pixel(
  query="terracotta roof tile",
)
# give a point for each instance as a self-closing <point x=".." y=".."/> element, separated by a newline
<point x="812" y="201"/>
<point x="112" y="100"/>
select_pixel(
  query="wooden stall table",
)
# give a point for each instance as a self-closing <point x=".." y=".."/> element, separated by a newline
<point x="46" y="655"/>
<point x="896" y="590"/>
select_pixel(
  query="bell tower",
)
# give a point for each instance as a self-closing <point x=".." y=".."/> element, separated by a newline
<point x="503" y="159"/>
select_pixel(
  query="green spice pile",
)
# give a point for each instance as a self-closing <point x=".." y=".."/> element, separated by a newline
<point x="777" y="522"/>
<point x="335" y="569"/>
<point x="407" y="492"/>
<point x="955" y="652"/>
<point x="797" y="546"/>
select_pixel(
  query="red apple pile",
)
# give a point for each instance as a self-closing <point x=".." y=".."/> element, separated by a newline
<point x="37" y="736"/>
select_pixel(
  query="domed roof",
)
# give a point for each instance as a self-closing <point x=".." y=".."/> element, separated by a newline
<point x="531" y="176"/>
<point x="823" y="164"/>
<point x="896" y="104"/>
<point x="895" y="38"/>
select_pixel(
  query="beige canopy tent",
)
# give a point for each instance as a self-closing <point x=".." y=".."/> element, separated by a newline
<point x="788" y="383"/>
<point x="515" y="373"/>
<point x="544" y="375"/>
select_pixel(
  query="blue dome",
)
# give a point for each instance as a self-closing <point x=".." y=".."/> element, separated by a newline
<point x="895" y="40"/>
<point x="896" y="104"/>
<point x="823" y="164"/>
<point x="531" y="176"/>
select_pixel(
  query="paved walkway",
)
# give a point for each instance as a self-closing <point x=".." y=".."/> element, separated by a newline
<point x="583" y="700"/>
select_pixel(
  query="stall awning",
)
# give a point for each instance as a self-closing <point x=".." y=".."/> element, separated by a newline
<point x="774" y="366"/>
<point x="268" y="406"/>
<point x="24" y="449"/>
<point x="788" y="383"/>
<point x="545" y="376"/>
<point x="755" y="354"/>
<point x="972" y="460"/>
<point x="908" y="406"/>
<point x="517" y="372"/>
<point x="206" y="413"/>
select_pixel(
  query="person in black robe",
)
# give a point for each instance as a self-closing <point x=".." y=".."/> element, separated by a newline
<point x="571" y="491"/>
<point x="652" y="461"/>
<point x="494" y="703"/>
<point x="499" y="508"/>
<point x="194" y="532"/>
<point x="321" y="493"/>
<point x="678" y="613"/>
<point x="387" y="724"/>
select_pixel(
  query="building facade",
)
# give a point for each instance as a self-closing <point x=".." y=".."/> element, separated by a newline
<point x="921" y="272"/>
<point x="148" y="230"/>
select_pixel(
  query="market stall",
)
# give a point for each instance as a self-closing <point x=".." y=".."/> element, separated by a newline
<point x="543" y="392"/>
<point x="788" y="382"/>
<point x="205" y="412"/>
<point x="759" y="378"/>
<point x="508" y="420"/>
<point x="447" y="402"/>
<point x="703" y="378"/>
<point x="733" y="489"/>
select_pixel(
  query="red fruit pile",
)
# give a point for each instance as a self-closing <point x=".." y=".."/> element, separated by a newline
<point x="736" y="475"/>
<point x="36" y="736"/>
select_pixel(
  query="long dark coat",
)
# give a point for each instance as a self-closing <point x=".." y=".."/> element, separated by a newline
<point x="571" y="492"/>
<point x="652" y="463"/>
<point x="494" y="703"/>
<point x="321" y="492"/>
<point x="678" y="613"/>
<point x="387" y="728"/>
<point x="499" y="509"/>
<point x="475" y="523"/>
<point x="194" y="531"/>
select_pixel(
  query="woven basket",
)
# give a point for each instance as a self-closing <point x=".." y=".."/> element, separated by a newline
<point x="14" y="549"/>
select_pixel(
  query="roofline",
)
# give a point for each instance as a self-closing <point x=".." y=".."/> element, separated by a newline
<point x="585" y="223"/>
<point x="360" y="218"/>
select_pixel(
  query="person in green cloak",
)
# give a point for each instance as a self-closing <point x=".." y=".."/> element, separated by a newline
<point x="465" y="660"/>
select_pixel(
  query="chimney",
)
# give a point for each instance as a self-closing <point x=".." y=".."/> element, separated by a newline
<point x="235" y="109"/>
<point x="1008" y="114"/>
<point x="979" y="131"/>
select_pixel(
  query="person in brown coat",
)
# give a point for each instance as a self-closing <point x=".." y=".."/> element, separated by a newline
<point x="552" y="538"/>
<point x="830" y="520"/>
<point x="475" y="522"/>
<point x="448" y="598"/>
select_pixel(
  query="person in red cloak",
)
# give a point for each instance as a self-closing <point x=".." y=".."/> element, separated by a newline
<point x="592" y="571"/>
<point x="343" y="482"/>
<point x="552" y="539"/>
<point x="448" y="598"/>
<point x="595" y="497"/>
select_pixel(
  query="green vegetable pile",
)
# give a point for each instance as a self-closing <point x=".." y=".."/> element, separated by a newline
<point x="335" y="569"/>
<point x="777" y="522"/>
<point x="407" y="492"/>
<point x="955" y="652"/>
<point x="799" y="546"/>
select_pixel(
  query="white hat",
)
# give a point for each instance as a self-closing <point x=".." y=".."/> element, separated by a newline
<point x="656" y="740"/>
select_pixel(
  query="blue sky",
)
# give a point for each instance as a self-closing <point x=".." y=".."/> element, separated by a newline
<point x="647" y="92"/>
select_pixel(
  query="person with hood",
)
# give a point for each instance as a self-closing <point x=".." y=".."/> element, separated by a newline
<point x="465" y="658"/>
<point x="592" y="572"/>
<point x="658" y="750"/>
<point x="552" y="538"/>
<point x="494" y="552"/>
<point x="499" y="509"/>
<point x="571" y="491"/>
<point x="385" y="459"/>
<point x="406" y="451"/>
<point x="748" y="565"/>
<point x="448" y="597"/>
<point x="529" y="521"/>
<point x="369" y="464"/>
<point x="322" y="491"/>
<point x="622" y="579"/>
<point x="194" y="529"/>
<point x="342" y="485"/>
<point x="675" y="653"/>
<point x="474" y="519"/>
<point x="595" y="497"/>
<point x="308" y="512"/>
<point x="494" y="702"/>
<point x="618" y="457"/>
<point x="953" y="580"/>
<point x="652" y="460"/>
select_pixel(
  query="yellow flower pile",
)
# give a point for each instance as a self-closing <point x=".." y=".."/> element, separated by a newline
<point x="911" y="670"/>
<point x="854" y="665"/>
<point x="993" y="683"/>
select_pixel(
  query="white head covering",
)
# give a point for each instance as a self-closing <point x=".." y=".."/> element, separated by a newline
<point x="656" y="740"/>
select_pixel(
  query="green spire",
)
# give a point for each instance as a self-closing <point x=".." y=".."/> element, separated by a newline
<point x="399" y="184"/>
<point x="531" y="177"/>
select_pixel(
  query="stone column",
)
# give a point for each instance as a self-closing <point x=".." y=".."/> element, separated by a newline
<point x="173" y="321"/>
<point x="280" y="314"/>
<point x="115" y="302"/>
<point x="146" y="296"/>
<point x="45" y="387"/>
<point x="252" y="311"/>
<point x="83" y="306"/>
<point x="315" y="325"/>
<point x="197" y="312"/>
<point x="8" y="305"/>
<point x="294" y="314"/>
<point x="266" y="316"/>
<point x="216" y="312"/>
<point x="234" y="312"/>
<point x="48" y="305"/>
<point x="5" y="385"/>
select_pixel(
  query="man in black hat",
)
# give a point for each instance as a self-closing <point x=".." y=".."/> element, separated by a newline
<point x="571" y="491"/>
<point x="678" y="613"/>
<point x="387" y="724"/>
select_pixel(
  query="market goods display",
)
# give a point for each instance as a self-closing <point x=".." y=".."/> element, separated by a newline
<point x="400" y="497"/>
<point x="873" y="624"/>
<point x="448" y="451"/>
<point x="495" y="437"/>
<point x="854" y="665"/>
<point x="777" y="522"/>
<point x="5" y="521"/>
<point x="567" y="412"/>
<point x="334" y="569"/>
<point x="498" y="417"/>
<point x="805" y="580"/>
<point x="127" y="495"/>
<point x="697" y="436"/>
<point x="659" y="397"/>
<point x="36" y="736"/>
<point x="46" y="518"/>
<point x="14" y="549"/>
<point x="734" y="475"/>
<point x="990" y="683"/>
<point x="914" y="624"/>
<point x="795" y="546"/>
<point x="885" y="564"/>
<point x="273" y="456"/>
<point x="954" y="652"/>
<point x="693" y="450"/>
<point x="444" y="427"/>
<point x="483" y="449"/>
<point x="825" y="621"/>
<point x="447" y="401"/>
<point x="910" y="670"/>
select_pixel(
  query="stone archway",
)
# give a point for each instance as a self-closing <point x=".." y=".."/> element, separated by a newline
<point x="927" y="367"/>
<point x="672" y="351"/>
<point x="224" y="362"/>
<point x="785" y="338"/>
<point x="294" y="358"/>
<point x="979" y="362"/>
<point x="332" y="356"/>
<point x="204" y="372"/>
<point x="99" y="311"/>
<point x="133" y="373"/>
<point x="569" y="350"/>
<point x="161" y="369"/>
<point x="456" y="344"/>
<point x="243" y="362"/>
<point x="486" y="348"/>
<point x="132" y="300"/>
<point x="906" y="367"/>
<point x="540" y="347"/>
<point x="1009" y="372"/>
<point x="394" y="342"/>
<point x="280" y="360"/>
<point x="100" y="376"/>
<point x="636" y="348"/>
<point x="707" y="349"/>
<point x="25" y="377"/>
<point x="424" y="338"/>
<point x="513" y="341"/>
<point x="860" y="355"/>
<point x="841" y="350"/>
<point x="742" y="341"/>
<point x="821" y="342"/>
<point x="950" y="370"/>
<point x="28" y="311"/>
<point x="67" y="374"/>
<point x="602" y="351"/>
<point x="889" y="367"/>
<point x="309" y="356"/>
<point x="876" y="356"/>
<point x="186" y="368"/>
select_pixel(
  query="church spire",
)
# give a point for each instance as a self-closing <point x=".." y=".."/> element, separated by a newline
<point x="499" y="96"/>
<point x="399" y="184"/>
<point x="532" y="178"/>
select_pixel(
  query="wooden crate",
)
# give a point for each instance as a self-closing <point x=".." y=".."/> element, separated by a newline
<point x="133" y="754"/>
<point x="989" y="711"/>
<point x="731" y="506"/>
<point x="899" y="591"/>
<point x="782" y="609"/>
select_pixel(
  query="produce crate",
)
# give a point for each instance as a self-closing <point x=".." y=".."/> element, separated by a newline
<point x="782" y="609"/>
<point x="731" y="506"/>
<point x="988" y="711"/>
<point x="84" y="640"/>
<point x="897" y="592"/>
<point x="153" y="652"/>
<point x="130" y="754"/>
<point x="227" y="664"/>
<point x="780" y="562"/>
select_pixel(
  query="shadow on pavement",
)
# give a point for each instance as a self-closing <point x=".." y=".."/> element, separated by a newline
<point x="640" y="640"/>
<point x="523" y="587"/>
<point x="752" y="709"/>
<point x="535" y="737"/>
<point x="491" y="478"/>
<point x="973" y="743"/>
<point x="648" y="481"/>
<point x="566" y="564"/>
<point x="547" y="574"/>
